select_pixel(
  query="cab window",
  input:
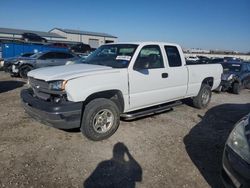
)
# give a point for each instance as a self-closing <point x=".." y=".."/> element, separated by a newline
<point x="150" y="57"/>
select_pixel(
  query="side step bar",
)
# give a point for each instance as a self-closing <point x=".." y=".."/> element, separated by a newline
<point x="150" y="111"/>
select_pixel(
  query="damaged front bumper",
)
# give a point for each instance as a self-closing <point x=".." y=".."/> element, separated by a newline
<point x="64" y="115"/>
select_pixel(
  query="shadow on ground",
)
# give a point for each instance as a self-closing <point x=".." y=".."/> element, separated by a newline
<point x="10" y="85"/>
<point x="205" y="142"/>
<point x="122" y="170"/>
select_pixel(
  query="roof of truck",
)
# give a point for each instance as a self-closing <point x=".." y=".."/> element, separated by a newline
<point x="146" y="43"/>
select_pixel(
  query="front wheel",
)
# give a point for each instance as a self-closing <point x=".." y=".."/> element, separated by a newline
<point x="23" y="71"/>
<point x="203" y="98"/>
<point x="236" y="88"/>
<point x="100" y="120"/>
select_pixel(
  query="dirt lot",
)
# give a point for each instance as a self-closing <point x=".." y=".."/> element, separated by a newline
<point x="181" y="148"/>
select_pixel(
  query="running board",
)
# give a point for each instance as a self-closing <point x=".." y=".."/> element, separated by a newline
<point x="150" y="111"/>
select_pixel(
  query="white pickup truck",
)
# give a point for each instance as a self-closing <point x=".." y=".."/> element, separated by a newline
<point x="127" y="80"/>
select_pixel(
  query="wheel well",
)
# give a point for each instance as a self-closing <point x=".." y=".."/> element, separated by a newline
<point x="114" y="95"/>
<point x="209" y="81"/>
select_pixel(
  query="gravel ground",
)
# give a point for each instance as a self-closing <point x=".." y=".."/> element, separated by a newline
<point x="181" y="148"/>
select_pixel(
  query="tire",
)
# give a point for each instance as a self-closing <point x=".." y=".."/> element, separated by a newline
<point x="94" y="112"/>
<point x="23" y="71"/>
<point x="203" y="98"/>
<point x="236" y="88"/>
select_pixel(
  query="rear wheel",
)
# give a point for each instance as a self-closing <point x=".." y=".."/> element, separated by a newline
<point x="100" y="120"/>
<point x="203" y="98"/>
<point x="23" y="71"/>
<point x="236" y="88"/>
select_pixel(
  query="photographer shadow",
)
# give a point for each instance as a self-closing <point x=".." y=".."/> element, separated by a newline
<point x="116" y="172"/>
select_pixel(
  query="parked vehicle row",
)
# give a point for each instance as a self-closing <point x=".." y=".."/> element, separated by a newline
<point x="236" y="72"/>
<point x="206" y="60"/>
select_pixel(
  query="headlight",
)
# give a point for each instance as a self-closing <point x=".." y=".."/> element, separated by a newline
<point x="1" y="63"/>
<point x="58" y="85"/>
<point x="230" y="77"/>
<point x="238" y="140"/>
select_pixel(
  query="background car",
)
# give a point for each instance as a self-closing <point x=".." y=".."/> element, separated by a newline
<point x="43" y="59"/>
<point x="236" y="157"/>
<point x="8" y="62"/>
<point x="236" y="76"/>
<point x="80" y="48"/>
<point x="192" y="58"/>
<point x="216" y="60"/>
<point x="33" y="37"/>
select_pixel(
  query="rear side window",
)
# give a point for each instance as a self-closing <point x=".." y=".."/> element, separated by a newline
<point x="173" y="55"/>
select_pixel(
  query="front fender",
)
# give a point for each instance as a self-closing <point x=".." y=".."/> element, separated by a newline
<point x="78" y="89"/>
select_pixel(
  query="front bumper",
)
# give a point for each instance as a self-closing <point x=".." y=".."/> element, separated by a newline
<point x="226" y="84"/>
<point x="235" y="171"/>
<point x="65" y="115"/>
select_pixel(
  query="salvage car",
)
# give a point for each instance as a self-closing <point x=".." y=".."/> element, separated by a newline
<point x="235" y="77"/>
<point x="41" y="59"/>
<point x="33" y="37"/>
<point x="236" y="157"/>
<point x="127" y="80"/>
<point x="8" y="62"/>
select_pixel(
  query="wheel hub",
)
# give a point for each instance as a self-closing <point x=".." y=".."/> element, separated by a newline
<point x="103" y="121"/>
<point x="205" y="97"/>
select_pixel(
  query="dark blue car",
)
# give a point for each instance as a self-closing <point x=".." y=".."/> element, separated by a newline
<point x="235" y="77"/>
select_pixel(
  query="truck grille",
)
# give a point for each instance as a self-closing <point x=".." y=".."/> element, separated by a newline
<point x="41" y="90"/>
<point x="38" y="84"/>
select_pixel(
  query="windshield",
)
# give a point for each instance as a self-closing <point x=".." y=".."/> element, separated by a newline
<point x="27" y="55"/>
<point x="232" y="67"/>
<point x="113" y="55"/>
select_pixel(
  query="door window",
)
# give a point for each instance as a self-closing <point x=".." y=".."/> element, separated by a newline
<point x="150" y="57"/>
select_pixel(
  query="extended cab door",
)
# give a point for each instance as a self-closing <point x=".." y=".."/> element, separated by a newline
<point x="177" y="82"/>
<point x="152" y="81"/>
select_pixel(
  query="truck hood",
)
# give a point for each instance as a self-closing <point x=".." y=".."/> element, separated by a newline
<point x="67" y="72"/>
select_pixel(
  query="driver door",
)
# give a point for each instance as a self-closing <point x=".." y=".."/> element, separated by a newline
<point x="148" y="79"/>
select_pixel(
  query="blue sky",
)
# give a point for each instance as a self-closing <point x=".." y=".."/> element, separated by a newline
<point x="207" y="24"/>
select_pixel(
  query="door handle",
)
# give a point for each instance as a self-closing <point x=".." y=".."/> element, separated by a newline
<point x="164" y="75"/>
